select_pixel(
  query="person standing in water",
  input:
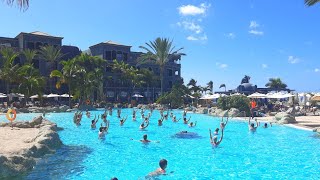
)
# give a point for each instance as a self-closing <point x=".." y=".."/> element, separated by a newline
<point x="163" y="163"/>
<point x="185" y="121"/>
<point x="160" y="121"/>
<point x="143" y="126"/>
<point x="193" y="125"/>
<point x="123" y="120"/>
<point x="94" y="122"/>
<point x="214" y="140"/>
<point x="251" y="125"/>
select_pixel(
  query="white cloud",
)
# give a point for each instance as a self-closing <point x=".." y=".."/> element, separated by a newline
<point x="190" y="26"/>
<point x="191" y="10"/>
<point x="221" y="65"/>
<point x="255" y="32"/>
<point x="293" y="60"/>
<point x="253" y="25"/>
<point x="231" y="35"/>
<point x="264" y="66"/>
<point x="316" y="70"/>
<point x="197" y="38"/>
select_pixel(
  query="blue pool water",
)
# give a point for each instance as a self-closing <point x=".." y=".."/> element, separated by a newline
<point x="275" y="153"/>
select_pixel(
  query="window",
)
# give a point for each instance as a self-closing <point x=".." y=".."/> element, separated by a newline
<point x="170" y="84"/>
<point x="176" y="73"/>
<point x="119" y="56"/>
<point x="114" y="55"/>
<point x="150" y="69"/>
<point x="30" y="45"/>
<point x="125" y="56"/>
<point x="108" y="55"/>
<point x="169" y="72"/>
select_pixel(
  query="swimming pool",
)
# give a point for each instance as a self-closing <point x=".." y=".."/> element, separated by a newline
<point x="273" y="153"/>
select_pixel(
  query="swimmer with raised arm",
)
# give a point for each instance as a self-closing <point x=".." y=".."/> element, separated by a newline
<point x="214" y="140"/>
<point x="88" y="113"/>
<point x="192" y="124"/>
<point x="134" y="115"/>
<point x="123" y="120"/>
<point x="216" y="132"/>
<point x="119" y="113"/>
<point x="94" y="122"/>
<point x="251" y="125"/>
<point x="160" y="121"/>
<point x="103" y="130"/>
<point x="174" y="119"/>
<point x="143" y="126"/>
<point x="185" y="121"/>
<point x="184" y="114"/>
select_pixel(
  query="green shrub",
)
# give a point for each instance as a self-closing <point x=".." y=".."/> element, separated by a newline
<point x="240" y="102"/>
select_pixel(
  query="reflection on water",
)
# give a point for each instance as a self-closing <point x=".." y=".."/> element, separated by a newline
<point x="65" y="162"/>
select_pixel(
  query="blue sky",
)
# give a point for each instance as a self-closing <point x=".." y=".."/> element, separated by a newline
<point x="223" y="40"/>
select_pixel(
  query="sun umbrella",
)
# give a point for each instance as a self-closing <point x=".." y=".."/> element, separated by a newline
<point x="257" y="95"/>
<point x="65" y="95"/>
<point x="53" y="96"/>
<point x="137" y="96"/>
<point x="3" y="96"/>
<point x="34" y="96"/>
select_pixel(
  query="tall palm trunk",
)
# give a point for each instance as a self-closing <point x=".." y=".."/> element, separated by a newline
<point x="69" y="84"/>
<point x="161" y="78"/>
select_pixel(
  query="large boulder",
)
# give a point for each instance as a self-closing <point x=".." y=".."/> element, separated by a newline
<point x="284" y="118"/>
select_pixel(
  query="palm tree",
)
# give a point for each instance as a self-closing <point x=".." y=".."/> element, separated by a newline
<point x="30" y="81"/>
<point x="246" y="79"/>
<point x="311" y="2"/>
<point x="276" y="83"/>
<point x="210" y="86"/>
<point x="23" y="4"/>
<point x="29" y="55"/>
<point x="223" y="85"/>
<point x="193" y="86"/>
<point x="66" y="76"/>
<point x="160" y="51"/>
<point x="8" y="73"/>
<point x="52" y="55"/>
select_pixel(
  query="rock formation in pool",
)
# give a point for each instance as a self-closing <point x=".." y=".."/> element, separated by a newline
<point x="21" y="146"/>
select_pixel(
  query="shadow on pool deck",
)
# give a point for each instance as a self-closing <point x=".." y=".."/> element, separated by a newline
<point x="66" y="160"/>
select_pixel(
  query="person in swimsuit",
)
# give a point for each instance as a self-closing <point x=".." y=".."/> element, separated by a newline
<point x="123" y="120"/>
<point x="160" y="121"/>
<point x="185" y="121"/>
<point x="143" y="126"/>
<point x="266" y="125"/>
<point x="88" y="113"/>
<point x="214" y="140"/>
<point x="251" y="125"/>
<point x="162" y="170"/>
<point x="94" y="122"/>
<point x="174" y="119"/>
<point x="193" y="125"/>
<point x="103" y="130"/>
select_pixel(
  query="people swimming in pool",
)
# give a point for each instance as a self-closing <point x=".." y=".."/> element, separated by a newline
<point x="134" y="115"/>
<point x="162" y="170"/>
<point x="251" y="125"/>
<point x="94" y="122"/>
<point x="214" y="140"/>
<point x="185" y="121"/>
<point x="143" y="125"/>
<point x="224" y="124"/>
<point x="119" y="113"/>
<point x="103" y="130"/>
<point x="160" y="121"/>
<point x="184" y="113"/>
<point x="123" y="120"/>
<point x="174" y="119"/>
<point x="266" y="125"/>
<point x="110" y="111"/>
<point x="88" y="114"/>
<point x="192" y="124"/>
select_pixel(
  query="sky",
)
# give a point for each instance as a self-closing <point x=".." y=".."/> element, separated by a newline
<point x="223" y="40"/>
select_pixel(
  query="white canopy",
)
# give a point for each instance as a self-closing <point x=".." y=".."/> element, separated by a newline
<point x="34" y="96"/>
<point x="53" y="95"/>
<point x="257" y="95"/>
<point x="3" y="96"/>
<point x="65" y="95"/>
<point x="137" y="96"/>
<point x="279" y="95"/>
<point x="213" y="96"/>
